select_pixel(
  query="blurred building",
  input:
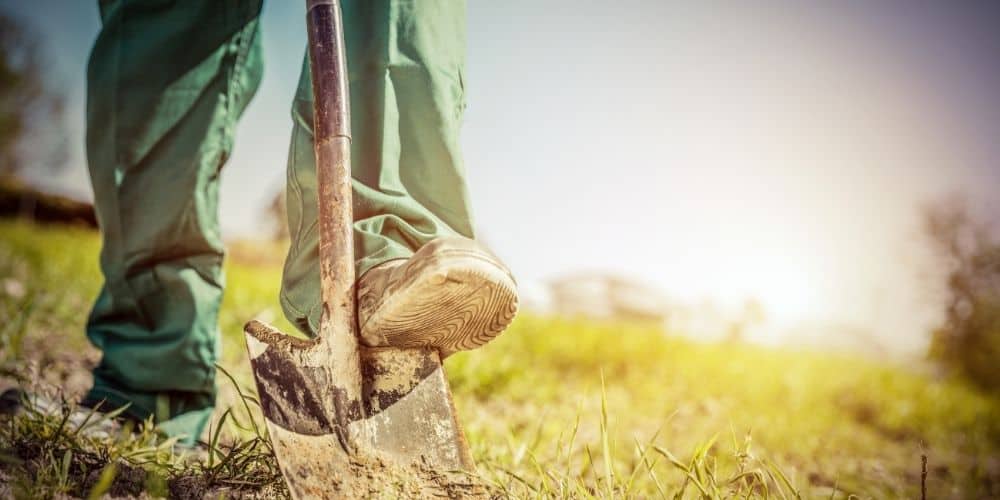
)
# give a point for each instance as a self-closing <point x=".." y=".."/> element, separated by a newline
<point x="603" y="296"/>
<point x="607" y="296"/>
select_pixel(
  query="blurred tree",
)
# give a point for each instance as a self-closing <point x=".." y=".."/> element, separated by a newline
<point x="968" y="343"/>
<point x="27" y="104"/>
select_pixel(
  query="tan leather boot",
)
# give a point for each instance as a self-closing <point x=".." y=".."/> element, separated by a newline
<point x="453" y="294"/>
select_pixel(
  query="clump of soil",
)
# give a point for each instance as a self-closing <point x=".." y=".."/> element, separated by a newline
<point x="371" y="476"/>
<point x="197" y="487"/>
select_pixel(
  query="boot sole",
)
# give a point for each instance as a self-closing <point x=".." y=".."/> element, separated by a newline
<point x="457" y="302"/>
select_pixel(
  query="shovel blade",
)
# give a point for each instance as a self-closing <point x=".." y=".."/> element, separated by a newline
<point x="409" y="432"/>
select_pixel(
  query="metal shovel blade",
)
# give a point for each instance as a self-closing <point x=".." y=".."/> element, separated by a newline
<point x="410" y="434"/>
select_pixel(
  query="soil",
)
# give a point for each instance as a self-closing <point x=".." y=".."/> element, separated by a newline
<point x="380" y="479"/>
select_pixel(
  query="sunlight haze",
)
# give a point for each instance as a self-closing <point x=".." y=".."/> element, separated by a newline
<point x="778" y="152"/>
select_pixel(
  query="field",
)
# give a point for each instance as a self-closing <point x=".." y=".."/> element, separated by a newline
<point x="555" y="408"/>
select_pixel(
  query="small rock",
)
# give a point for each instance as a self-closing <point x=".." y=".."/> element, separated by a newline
<point x="13" y="288"/>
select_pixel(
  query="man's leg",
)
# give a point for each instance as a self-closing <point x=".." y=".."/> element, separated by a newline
<point x="166" y="83"/>
<point x="406" y="62"/>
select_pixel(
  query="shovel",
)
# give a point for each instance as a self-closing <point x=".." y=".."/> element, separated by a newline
<point x="345" y="420"/>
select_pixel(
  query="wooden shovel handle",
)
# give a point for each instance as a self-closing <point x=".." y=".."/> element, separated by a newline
<point x="332" y="132"/>
<point x="332" y="135"/>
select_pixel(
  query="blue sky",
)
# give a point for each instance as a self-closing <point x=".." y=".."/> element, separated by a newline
<point x="716" y="150"/>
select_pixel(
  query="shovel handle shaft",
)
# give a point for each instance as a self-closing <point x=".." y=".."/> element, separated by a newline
<point x="332" y="140"/>
<point x="331" y="128"/>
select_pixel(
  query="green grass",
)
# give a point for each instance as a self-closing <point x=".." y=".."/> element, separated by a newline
<point x="555" y="408"/>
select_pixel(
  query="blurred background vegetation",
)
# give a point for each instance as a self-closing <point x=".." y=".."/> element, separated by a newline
<point x="968" y="343"/>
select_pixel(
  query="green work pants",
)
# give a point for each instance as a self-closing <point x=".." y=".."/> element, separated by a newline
<point x="167" y="82"/>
